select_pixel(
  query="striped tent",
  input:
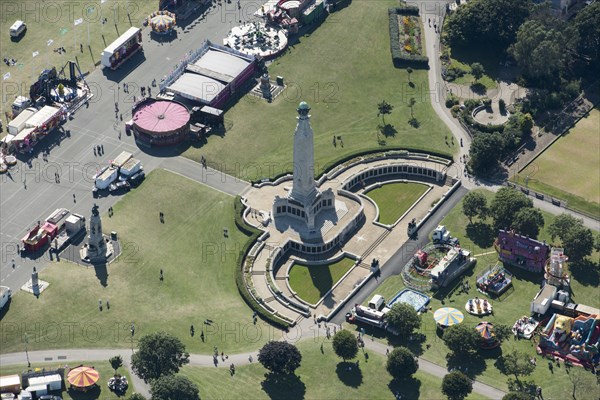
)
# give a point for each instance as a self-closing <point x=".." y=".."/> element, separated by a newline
<point x="448" y="316"/>
<point x="83" y="377"/>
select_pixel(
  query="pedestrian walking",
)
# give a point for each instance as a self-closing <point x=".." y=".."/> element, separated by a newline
<point x="74" y="200"/>
<point x="81" y="47"/>
<point x="107" y="305"/>
<point x="162" y="277"/>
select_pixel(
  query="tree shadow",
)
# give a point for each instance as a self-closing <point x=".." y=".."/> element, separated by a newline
<point x="387" y="130"/>
<point x="282" y="386"/>
<point x="414" y="122"/>
<point x="478" y="88"/>
<point x="94" y="393"/>
<point x="409" y="388"/>
<point x="413" y="342"/>
<point x="586" y="272"/>
<point x="349" y="373"/>
<point x="481" y="234"/>
<point x="471" y="364"/>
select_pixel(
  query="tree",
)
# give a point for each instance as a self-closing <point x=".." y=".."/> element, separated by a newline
<point x="506" y="204"/>
<point x="404" y="319"/>
<point x="583" y="381"/>
<point x="384" y="108"/>
<point x="475" y="204"/>
<point x="401" y="363"/>
<point x="159" y="354"/>
<point x="516" y="396"/>
<point x="485" y="153"/>
<point x="528" y="221"/>
<point x="587" y="26"/>
<point x="539" y="50"/>
<point x="280" y="357"/>
<point x="136" y="396"/>
<point x="516" y="363"/>
<point x="456" y="385"/>
<point x="503" y="332"/>
<point x="477" y="71"/>
<point x="345" y="344"/>
<point x="461" y="339"/>
<point x="525" y="123"/>
<point x="409" y="70"/>
<point x="491" y="23"/>
<point x="174" y="387"/>
<point x="576" y="239"/>
<point x="116" y="362"/>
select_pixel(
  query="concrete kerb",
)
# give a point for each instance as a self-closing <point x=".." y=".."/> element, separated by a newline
<point x="438" y="204"/>
<point x="277" y="293"/>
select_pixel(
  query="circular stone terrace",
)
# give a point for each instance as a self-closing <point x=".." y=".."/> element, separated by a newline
<point x="490" y="115"/>
<point x="350" y="230"/>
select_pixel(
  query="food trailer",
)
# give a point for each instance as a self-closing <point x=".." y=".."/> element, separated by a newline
<point x="122" y="49"/>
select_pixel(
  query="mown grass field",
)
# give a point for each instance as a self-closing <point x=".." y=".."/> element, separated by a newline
<point x="320" y="376"/>
<point x="311" y="282"/>
<point x="343" y="73"/>
<point x="394" y="199"/>
<point x="100" y="392"/>
<point x="55" y="21"/>
<point x="568" y="169"/>
<point x="512" y="305"/>
<point x="198" y="264"/>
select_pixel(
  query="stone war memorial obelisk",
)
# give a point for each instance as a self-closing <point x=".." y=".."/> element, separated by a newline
<point x="304" y="201"/>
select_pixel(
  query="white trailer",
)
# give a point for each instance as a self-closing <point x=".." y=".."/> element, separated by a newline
<point x="122" y="49"/>
<point x="5" y="294"/>
<point x="121" y="159"/>
<point x="18" y="124"/>
<point x="130" y="167"/>
<point x="106" y="177"/>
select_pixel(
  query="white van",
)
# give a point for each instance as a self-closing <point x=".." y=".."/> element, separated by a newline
<point x="17" y="28"/>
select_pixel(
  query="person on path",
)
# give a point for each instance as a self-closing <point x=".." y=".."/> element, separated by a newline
<point x="161" y="275"/>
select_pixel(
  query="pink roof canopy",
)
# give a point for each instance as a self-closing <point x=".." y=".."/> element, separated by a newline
<point x="161" y="117"/>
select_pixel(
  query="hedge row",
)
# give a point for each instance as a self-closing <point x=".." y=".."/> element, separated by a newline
<point x="399" y="57"/>
<point x="334" y="163"/>
<point x="253" y="234"/>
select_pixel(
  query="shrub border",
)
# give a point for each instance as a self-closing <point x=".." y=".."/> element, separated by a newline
<point x="253" y="234"/>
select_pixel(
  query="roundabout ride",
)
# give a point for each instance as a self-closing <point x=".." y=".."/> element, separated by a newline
<point x="161" y="22"/>
<point x="257" y="39"/>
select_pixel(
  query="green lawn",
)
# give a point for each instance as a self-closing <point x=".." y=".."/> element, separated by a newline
<point x="101" y="392"/>
<point x="512" y="305"/>
<point x="464" y="57"/>
<point x="343" y="73"/>
<point x="311" y="282"/>
<point x="198" y="264"/>
<point x="568" y="169"/>
<point x="55" y="20"/>
<point x="394" y="199"/>
<point x="321" y="376"/>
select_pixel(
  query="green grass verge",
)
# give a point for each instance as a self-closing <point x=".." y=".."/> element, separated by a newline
<point x="507" y="309"/>
<point x="55" y="21"/>
<point x="199" y="266"/>
<point x="343" y="91"/>
<point x="393" y="199"/>
<point x="320" y="376"/>
<point x="101" y="392"/>
<point x="464" y="57"/>
<point x="311" y="282"/>
<point x="567" y="169"/>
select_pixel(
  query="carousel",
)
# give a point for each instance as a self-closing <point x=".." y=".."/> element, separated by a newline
<point x="83" y="378"/>
<point x="257" y="39"/>
<point x="488" y="337"/>
<point x="478" y="307"/>
<point x="118" y="384"/>
<point x="161" y="22"/>
<point x="160" y="122"/>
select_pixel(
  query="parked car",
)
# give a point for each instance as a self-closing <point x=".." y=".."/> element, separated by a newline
<point x="119" y="186"/>
<point x="136" y="179"/>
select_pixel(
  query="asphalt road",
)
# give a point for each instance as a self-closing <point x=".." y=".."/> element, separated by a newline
<point x="30" y="193"/>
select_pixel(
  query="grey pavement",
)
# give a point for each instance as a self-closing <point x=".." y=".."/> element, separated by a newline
<point x="72" y="155"/>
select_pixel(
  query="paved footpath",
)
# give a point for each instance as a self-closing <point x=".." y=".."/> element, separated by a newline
<point x="200" y="360"/>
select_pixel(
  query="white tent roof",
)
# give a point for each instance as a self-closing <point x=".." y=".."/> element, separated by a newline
<point x="42" y="116"/>
<point x="196" y="87"/>
<point x="223" y="63"/>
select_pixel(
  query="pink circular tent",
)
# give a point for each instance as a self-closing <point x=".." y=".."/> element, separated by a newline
<point x="161" y="122"/>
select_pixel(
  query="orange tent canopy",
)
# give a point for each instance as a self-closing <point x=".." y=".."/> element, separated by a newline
<point x="83" y="376"/>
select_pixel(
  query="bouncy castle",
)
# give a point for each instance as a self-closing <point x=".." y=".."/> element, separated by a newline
<point x="572" y="339"/>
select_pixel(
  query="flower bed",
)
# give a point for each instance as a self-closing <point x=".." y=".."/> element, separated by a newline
<point x="405" y="37"/>
<point x="410" y="35"/>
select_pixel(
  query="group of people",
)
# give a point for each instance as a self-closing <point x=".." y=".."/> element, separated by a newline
<point x="99" y="150"/>
<point x="60" y="50"/>
<point x="10" y="61"/>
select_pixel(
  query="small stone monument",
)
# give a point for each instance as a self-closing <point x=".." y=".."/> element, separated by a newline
<point x="35" y="284"/>
<point x="265" y="85"/>
<point x="97" y="249"/>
